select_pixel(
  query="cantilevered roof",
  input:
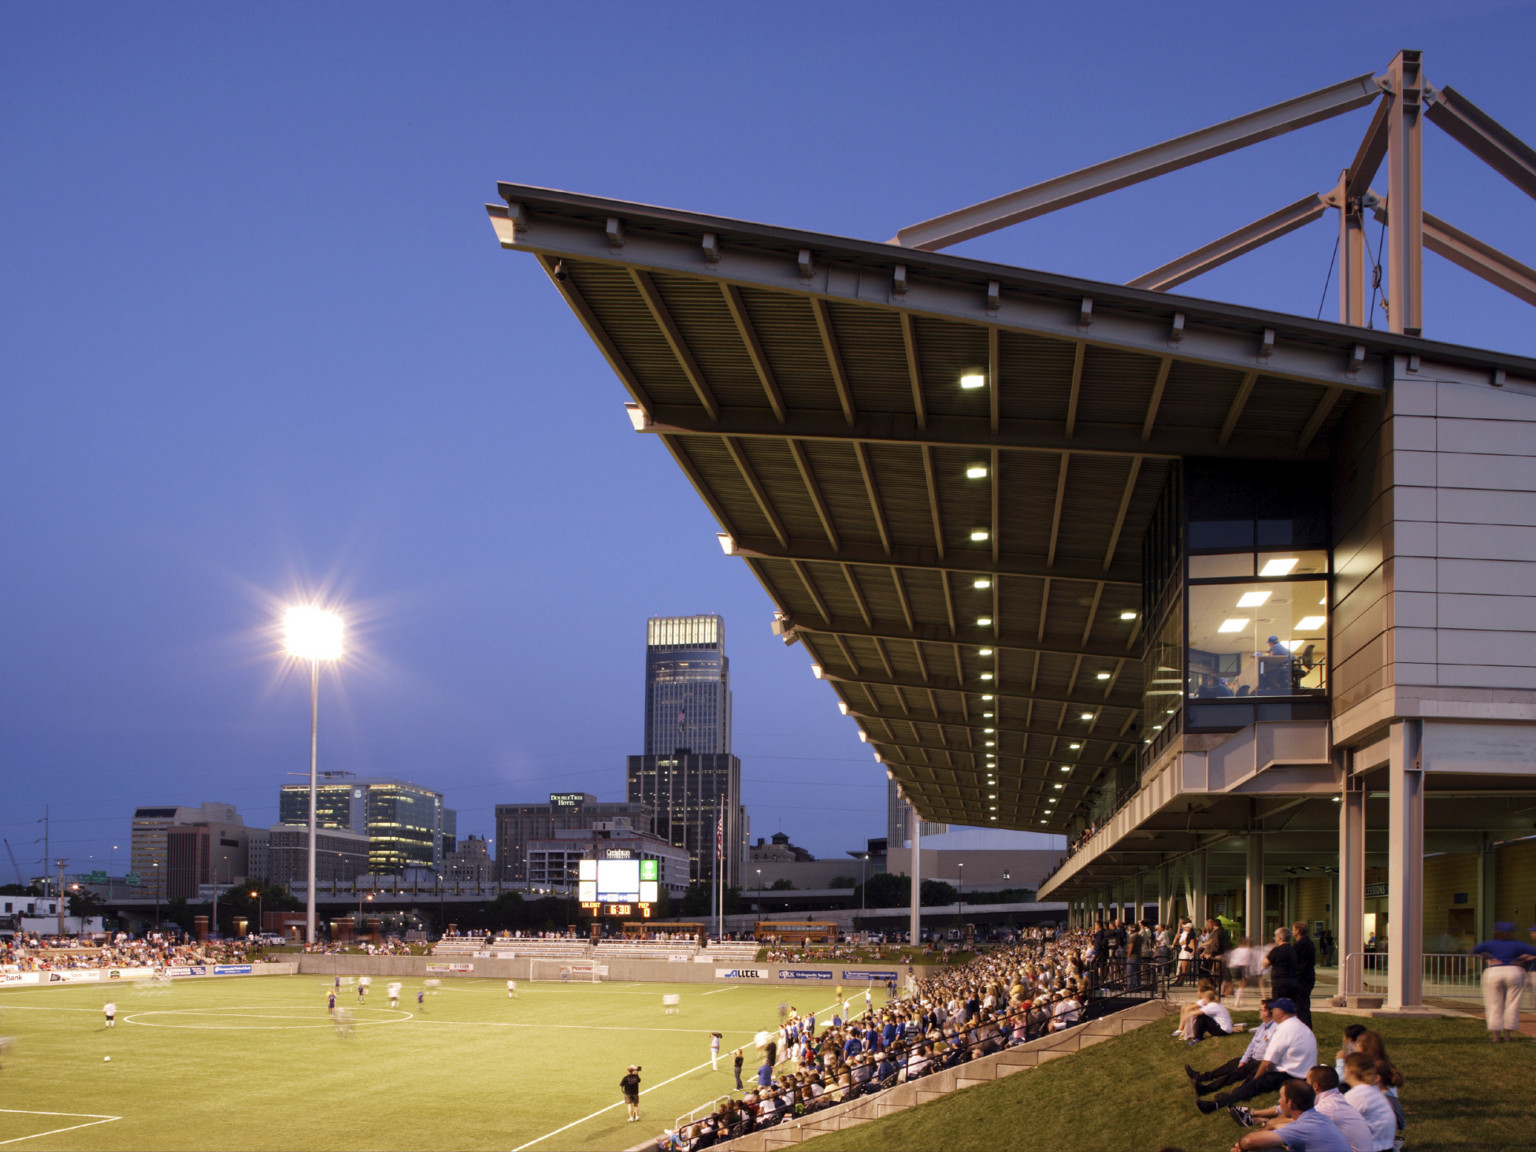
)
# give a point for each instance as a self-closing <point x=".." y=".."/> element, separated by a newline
<point x="962" y="563"/>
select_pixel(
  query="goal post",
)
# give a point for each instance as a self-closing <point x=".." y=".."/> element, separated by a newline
<point x="552" y="969"/>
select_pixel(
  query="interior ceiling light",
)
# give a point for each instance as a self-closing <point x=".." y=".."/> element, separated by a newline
<point x="1254" y="599"/>
<point x="984" y="621"/>
<point x="1311" y="623"/>
<point x="1087" y="716"/>
<point x="1279" y="567"/>
<point x="1057" y="786"/>
<point x="976" y="472"/>
<point x="1102" y="676"/>
<point x="1233" y="624"/>
<point x="986" y="715"/>
<point x="1066" y="768"/>
<point x="984" y="652"/>
<point x="1127" y="615"/>
<point x="980" y="534"/>
<point x="989" y="731"/>
<point x="973" y="380"/>
<point x="986" y="697"/>
<point x="991" y="743"/>
<point x="1042" y="821"/>
<point x="981" y="583"/>
<point x="1074" y="748"/>
<point x="986" y="675"/>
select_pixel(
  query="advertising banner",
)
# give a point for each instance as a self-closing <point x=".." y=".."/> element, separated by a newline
<point x="740" y="974"/>
<point x="188" y="970"/>
<point x="20" y="977"/>
<point x="678" y="958"/>
<point x="433" y="969"/>
<point x="75" y="976"/>
<point x="231" y="969"/>
<point x="859" y="974"/>
<point x="804" y="974"/>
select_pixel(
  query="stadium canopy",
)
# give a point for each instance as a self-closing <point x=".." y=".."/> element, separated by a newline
<point x="940" y="469"/>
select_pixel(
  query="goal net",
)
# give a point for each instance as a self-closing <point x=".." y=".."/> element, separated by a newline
<point x="544" y="971"/>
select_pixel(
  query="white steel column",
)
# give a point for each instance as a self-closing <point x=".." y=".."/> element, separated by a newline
<point x="916" y="927"/>
<point x="1199" y="897"/>
<point x="1405" y="867"/>
<point x="1165" y="893"/>
<point x="1405" y="204"/>
<point x="1351" y="906"/>
<point x="1253" y="894"/>
<point x="1140" y="896"/>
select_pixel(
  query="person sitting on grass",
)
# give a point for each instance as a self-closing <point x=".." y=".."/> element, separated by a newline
<point x="1291" y="1051"/>
<point x="1307" y="1130"/>
<point x="1368" y="1095"/>
<point x="1330" y="1102"/>
<point x="1241" y="1069"/>
<point x="1205" y="1016"/>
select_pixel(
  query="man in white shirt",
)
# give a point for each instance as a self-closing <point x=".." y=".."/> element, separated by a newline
<point x="1290" y="1054"/>
<point x="1210" y="1018"/>
<point x="1241" y="1070"/>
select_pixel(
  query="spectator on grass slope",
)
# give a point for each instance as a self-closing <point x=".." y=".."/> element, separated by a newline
<point x="1242" y="1069"/>
<point x="1291" y="1051"/>
<point x="1308" y="1130"/>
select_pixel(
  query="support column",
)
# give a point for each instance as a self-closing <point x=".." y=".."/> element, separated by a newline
<point x="1487" y="887"/>
<point x="1199" y="897"/>
<point x="916" y="927"/>
<point x="1405" y="195"/>
<point x="1405" y="867"/>
<point x="1351" y="905"/>
<point x="1253" y="892"/>
<point x="1140" y="896"/>
<point x="1165" y="893"/>
<point x="1351" y="257"/>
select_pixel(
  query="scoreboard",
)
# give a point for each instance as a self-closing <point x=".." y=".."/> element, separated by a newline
<point x="617" y="887"/>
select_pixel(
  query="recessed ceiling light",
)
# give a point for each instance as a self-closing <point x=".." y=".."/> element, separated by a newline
<point x="1127" y="615"/>
<point x="1058" y="787"/>
<point x="982" y="583"/>
<point x="973" y="380"/>
<point x="986" y="697"/>
<point x="991" y="743"/>
<point x="991" y="795"/>
<point x="984" y="652"/>
<point x="1087" y="716"/>
<point x="1311" y="623"/>
<point x="1042" y="821"/>
<point x="984" y="621"/>
<point x="1233" y="624"/>
<point x="986" y="675"/>
<point x="980" y="534"/>
<point x="989" y="731"/>
<point x="1254" y="599"/>
<point x="1074" y="748"/>
<point x="1066" y="768"/>
<point x="1102" y="676"/>
<point x="976" y="472"/>
<point x="1279" y="567"/>
<point x="987" y="715"/>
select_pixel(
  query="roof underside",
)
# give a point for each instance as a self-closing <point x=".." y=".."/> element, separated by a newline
<point x="810" y="388"/>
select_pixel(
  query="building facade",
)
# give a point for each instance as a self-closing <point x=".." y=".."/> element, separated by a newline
<point x="470" y="862"/>
<point x="690" y="794"/>
<point x="518" y="825"/>
<point x="407" y="825"/>
<point x="149" y="858"/>
<point x="552" y="863"/>
<point x="898" y="818"/>
<point x="687" y="686"/>
<point x="340" y="855"/>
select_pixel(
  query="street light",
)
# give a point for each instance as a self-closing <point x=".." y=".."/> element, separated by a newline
<point x="155" y="876"/>
<point x="759" y="891"/>
<point x="960" y="899"/>
<point x="312" y="634"/>
<point x="261" y="921"/>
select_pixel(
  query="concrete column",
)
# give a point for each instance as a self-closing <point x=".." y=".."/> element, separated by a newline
<point x="1351" y="903"/>
<point x="1405" y="867"/>
<point x="916" y="927"/>
<point x="1253" y="891"/>
<point x="1139" y="910"/>
<point x="1487" y="887"/>
<point x="1199" y="896"/>
<point x="1165" y="892"/>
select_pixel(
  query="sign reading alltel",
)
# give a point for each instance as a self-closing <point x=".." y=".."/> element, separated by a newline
<point x="803" y="974"/>
<point x="740" y="974"/>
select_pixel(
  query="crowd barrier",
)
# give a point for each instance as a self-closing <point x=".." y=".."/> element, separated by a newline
<point x="1447" y="975"/>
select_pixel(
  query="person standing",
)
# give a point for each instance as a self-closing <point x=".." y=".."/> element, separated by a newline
<point x="511" y="989"/>
<point x="1281" y="963"/>
<point x="331" y="1002"/>
<point x="394" y="994"/>
<point x="1135" y="948"/>
<point x="1503" y="980"/>
<point x="1306" y="970"/>
<point x="737" y="1060"/>
<point x="714" y="1051"/>
<point x="629" y="1085"/>
<point x="110" y="1010"/>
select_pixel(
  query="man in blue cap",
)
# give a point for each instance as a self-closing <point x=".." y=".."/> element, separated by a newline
<point x="1291" y="1052"/>
<point x="1503" y="980"/>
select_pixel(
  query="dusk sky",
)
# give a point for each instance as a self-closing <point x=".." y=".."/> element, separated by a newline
<point x="260" y="345"/>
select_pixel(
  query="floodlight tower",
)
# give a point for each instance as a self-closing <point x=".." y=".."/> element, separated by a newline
<point x="312" y="634"/>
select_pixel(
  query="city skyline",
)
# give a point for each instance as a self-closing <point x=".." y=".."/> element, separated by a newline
<point x="286" y="360"/>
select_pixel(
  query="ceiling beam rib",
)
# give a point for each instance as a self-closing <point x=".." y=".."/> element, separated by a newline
<point x="754" y="348"/>
<point x="1144" y="164"/>
<point x="949" y="601"/>
<point x="933" y="500"/>
<point x="994" y="379"/>
<point x="867" y="472"/>
<point x="675" y="341"/>
<point x="885" y="659"/>
<point x="950" y="719"/>
<point x="814" y="489"/>
<point x="935" y="634"/>
<point x="674" y="446"/>
<point x="1045" y="601"/>
<point x="810" y="587"/>
<point x="1061" y="495"/>
<point x="599" y="334"/>
<point x="1083" y="701"/>
<point x="1075" y="391"/>
<point x="759" y="493"/>
<point x="1093" y="612"/>
<point x="1159" y="386"/>
<point x="858" y="595"/>
<point x="834" y="357"/>
<point x="1239" y="402"/>
<point x="922" y="670"/>
<point x="901" y="595"/>
<point x="997" y="506"/>
<point x="914" y="370"/>
<point x="1319" y="415"/>
<point x="1125" y="506"/>
<point x="847" y="654"/>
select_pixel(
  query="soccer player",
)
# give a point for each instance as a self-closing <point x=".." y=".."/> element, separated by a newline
<point x="394" y="994"/>
<point x="331" y="1002"/>
<point x="630" y="1087"/>
<point x="511" y="989"/>
<point x="111" y="1013"/>
<point x="362" y="987"/>
<point x="714" y="1051"/>
<point x="421" y="999"/>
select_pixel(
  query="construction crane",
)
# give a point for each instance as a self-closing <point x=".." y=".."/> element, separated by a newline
<point x="19" y="878"/>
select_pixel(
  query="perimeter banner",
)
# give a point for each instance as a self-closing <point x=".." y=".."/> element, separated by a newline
<point x="804" y="974"/>
<point x="870" y="977"/>
<point x="435" y="968"/>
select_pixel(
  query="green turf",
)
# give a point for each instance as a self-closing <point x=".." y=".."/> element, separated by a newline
<point x="1462" y="1093"/>
<point x="255" y="1062"/>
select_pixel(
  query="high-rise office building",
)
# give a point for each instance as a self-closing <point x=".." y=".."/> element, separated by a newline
<point x="687" y="686"/>
<point x="518" y="825"/>
<point x="898" y="819"/>
<point x="406" y="824"/>
<point x="687" y="774"/>
<point x="149" y="856"/>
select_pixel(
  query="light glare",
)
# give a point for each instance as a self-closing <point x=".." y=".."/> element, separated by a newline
<point x="973" y="380"/>
<point x="1235" y="624"/>
<point x="1279" y="567"/>
<point x="311" y="633"/>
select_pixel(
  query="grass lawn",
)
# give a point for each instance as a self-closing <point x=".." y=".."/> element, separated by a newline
<point x="1131" y="1093"/>
<point x="234" y="1063"/>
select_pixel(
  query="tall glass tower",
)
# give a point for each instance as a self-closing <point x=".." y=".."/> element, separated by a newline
<point x="687" y="686"/>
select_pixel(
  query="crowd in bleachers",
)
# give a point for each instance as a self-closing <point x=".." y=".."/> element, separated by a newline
<point x="1006" y="997"/>
<point x="29" y="952"/>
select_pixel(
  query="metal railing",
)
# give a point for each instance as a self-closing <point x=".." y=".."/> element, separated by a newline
<point x="1447" y="975"/>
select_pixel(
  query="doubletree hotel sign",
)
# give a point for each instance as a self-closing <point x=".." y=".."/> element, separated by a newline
<point x="615" y="887"/>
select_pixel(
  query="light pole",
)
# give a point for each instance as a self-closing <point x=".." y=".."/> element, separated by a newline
<point x="215" y="918"/>
<point x="759" y="891"/>
<point x="261" y="926"/>
<point x="357" y="933"/>
<point x="312" y="634"/>
<point x="155" y="876"/>
<point x="960" y="898"/>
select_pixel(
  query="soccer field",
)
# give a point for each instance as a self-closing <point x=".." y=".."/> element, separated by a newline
<point x="256" y="1062"/>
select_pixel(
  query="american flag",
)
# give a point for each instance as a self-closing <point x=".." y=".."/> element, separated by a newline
<point x="720" y="837"/>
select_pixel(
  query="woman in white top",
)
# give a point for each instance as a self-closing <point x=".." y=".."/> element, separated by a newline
<point x="1366" y="1094"/>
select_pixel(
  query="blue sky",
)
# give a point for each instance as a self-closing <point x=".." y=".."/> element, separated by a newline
<point x="260" y="342"/>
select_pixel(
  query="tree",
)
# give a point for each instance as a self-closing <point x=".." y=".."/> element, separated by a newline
<point x="884" y="890"/>
<point x="783" y="884"/>
<point x="937" y="892"/>
<point x="842" y="882"/>
<point x="83" y="903"/>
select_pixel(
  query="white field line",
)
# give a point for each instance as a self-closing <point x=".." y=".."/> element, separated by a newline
<point x="98" y="1118"/>
<point x="727" y="988"/>
<point x="611" y="1107"/>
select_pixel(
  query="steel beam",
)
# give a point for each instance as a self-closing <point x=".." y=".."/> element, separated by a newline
<point x="938" y="634"/>
<point x="1480" y="259"/>
<point x="674" y="337"/>
<point x="1484" y="137"/>
<point x="1232" y="245"/>
<point x="1405" y="190"/>
<point x="919" y="557"/>
<point x="1169" y="156"/>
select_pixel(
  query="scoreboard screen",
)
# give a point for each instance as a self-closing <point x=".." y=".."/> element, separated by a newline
<point x="617" y="882"/>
